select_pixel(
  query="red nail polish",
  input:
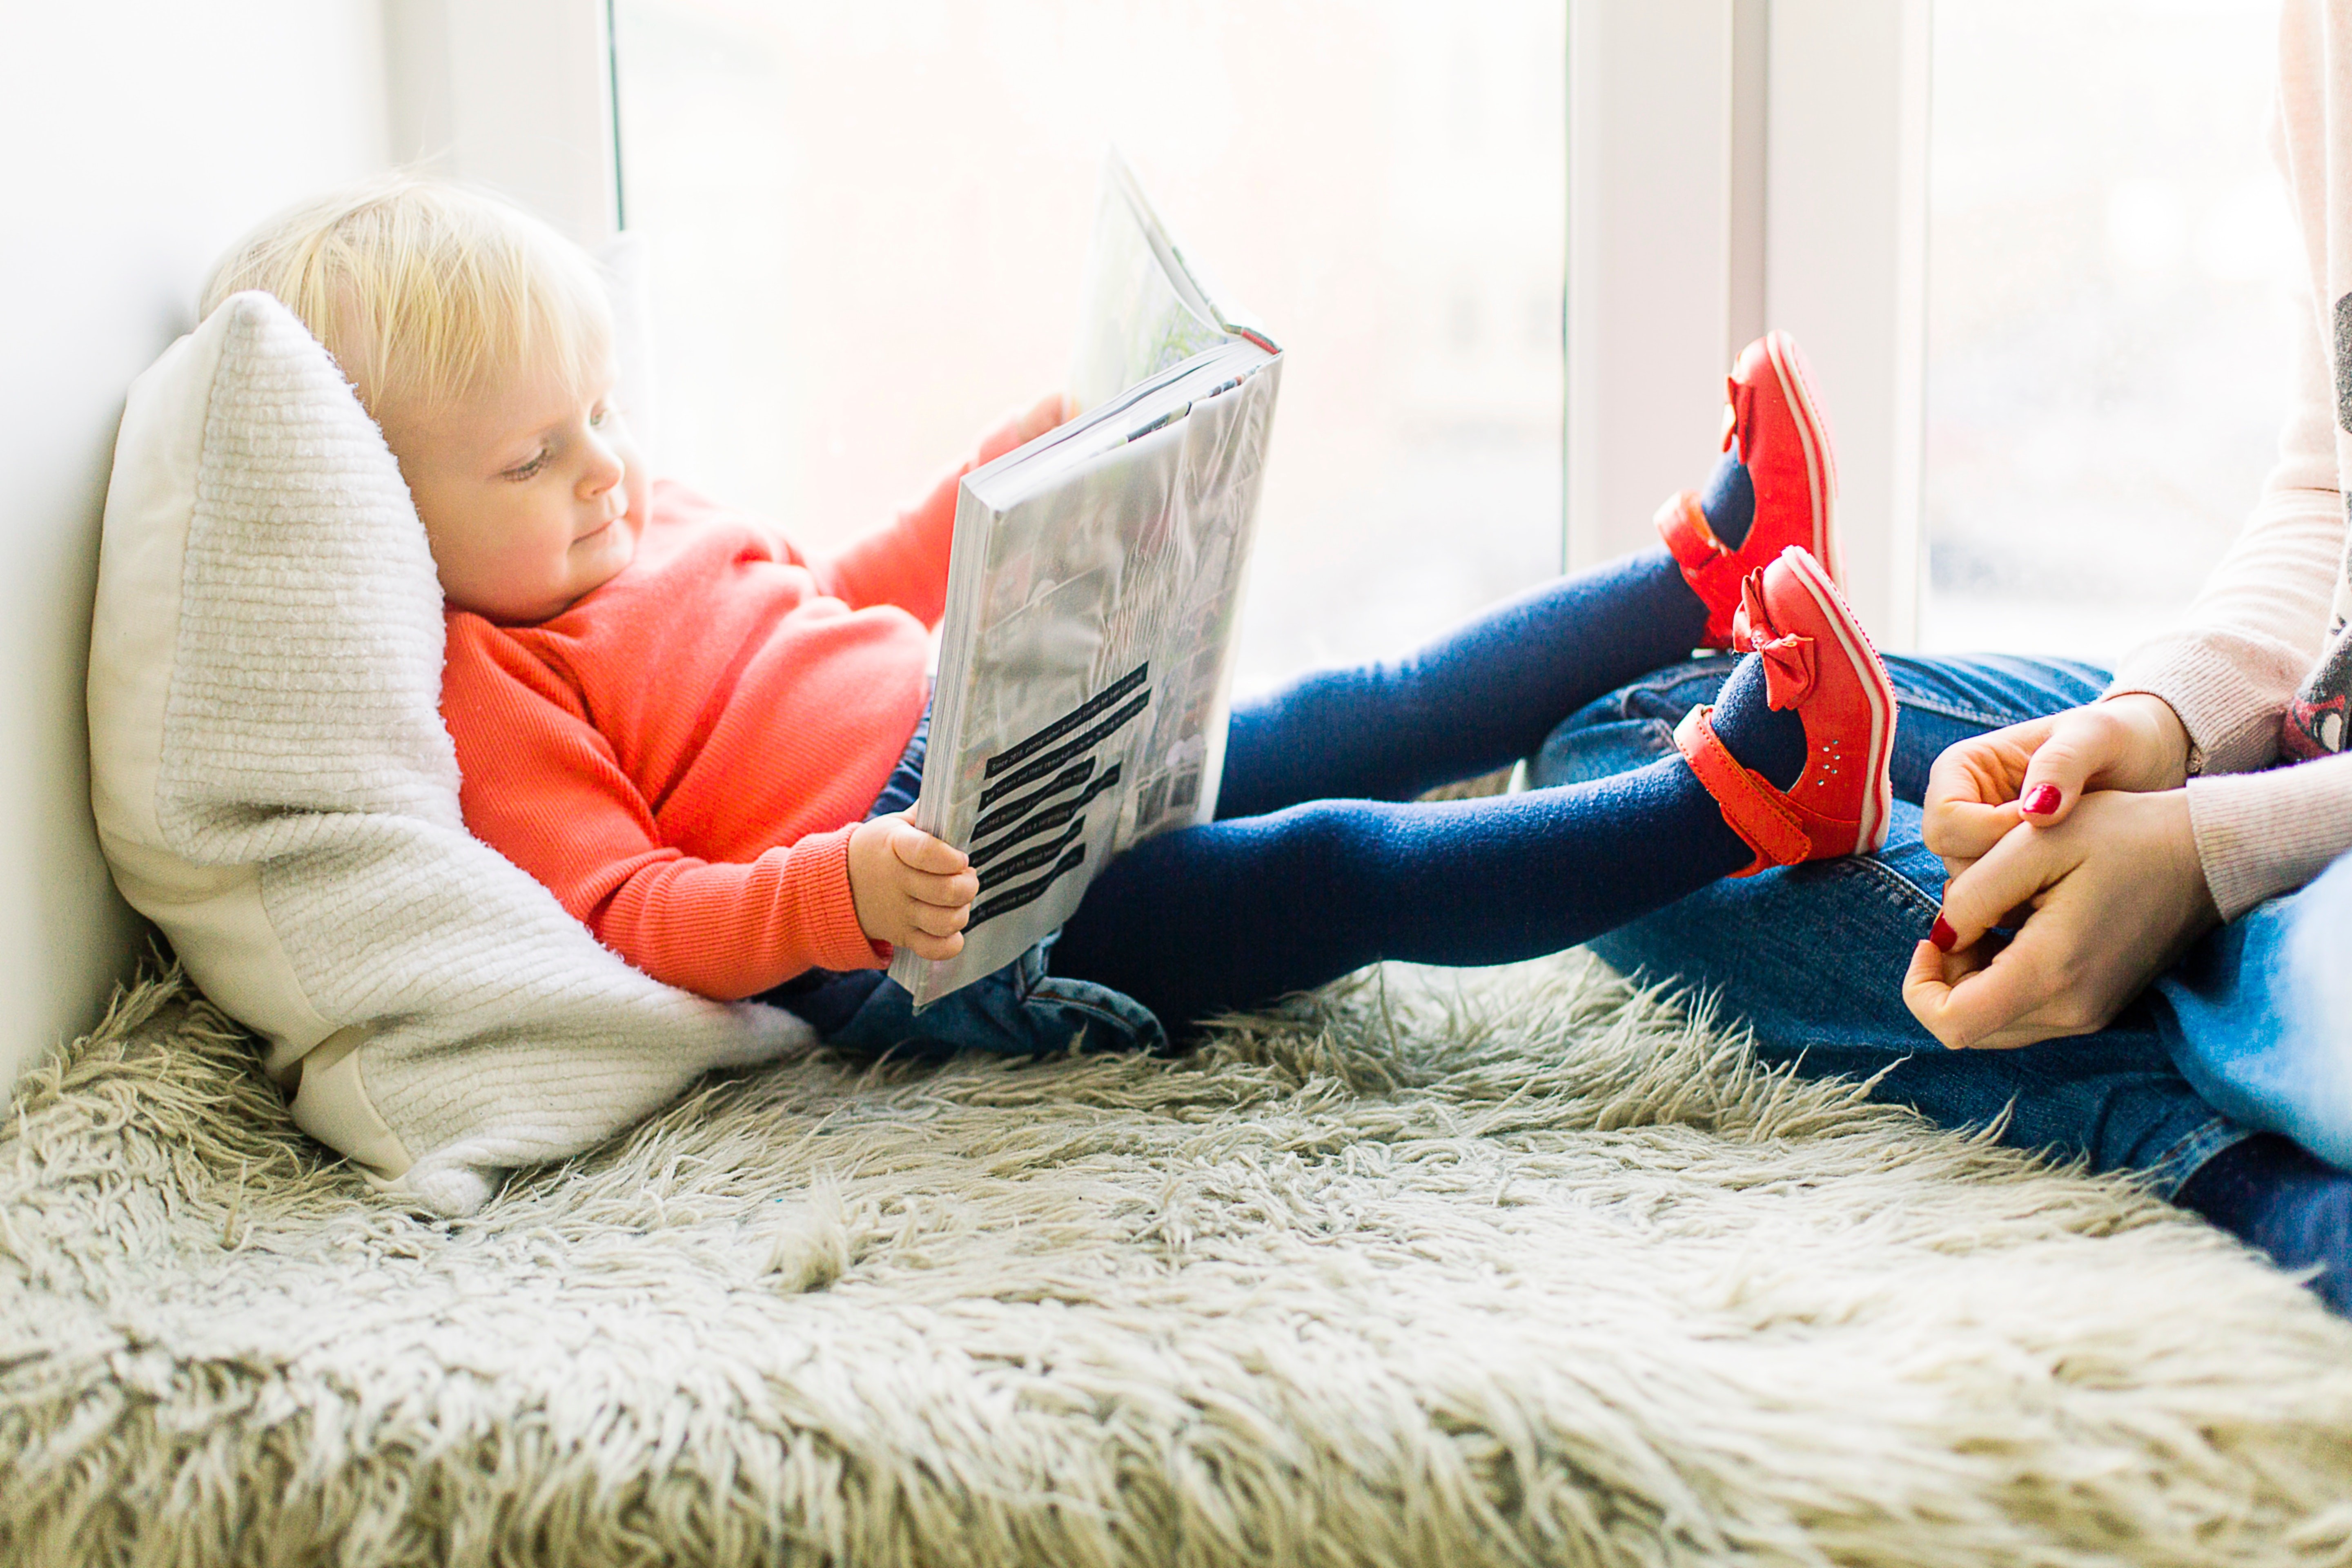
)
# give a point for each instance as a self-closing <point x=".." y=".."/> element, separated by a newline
<point x="1943" y="935"/>
<point x="2040" y="801"/>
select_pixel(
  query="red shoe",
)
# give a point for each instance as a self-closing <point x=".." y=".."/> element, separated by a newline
<point x="1773" y="425"/>
<point x="1819" y="662"/>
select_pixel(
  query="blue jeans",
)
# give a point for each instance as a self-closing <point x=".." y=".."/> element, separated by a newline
<point x="1814" y="956"/>
<point x="2259" y="1015"/>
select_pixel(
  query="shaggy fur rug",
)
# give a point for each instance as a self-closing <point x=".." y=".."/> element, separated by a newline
<point x="1514" y="1267"/>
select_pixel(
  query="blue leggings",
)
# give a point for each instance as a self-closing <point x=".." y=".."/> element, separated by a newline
<point x="1321" y="862"/>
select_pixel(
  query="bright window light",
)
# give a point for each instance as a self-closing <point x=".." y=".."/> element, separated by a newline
<point x="867" y="222"/>
<point x="2110" y="257"/>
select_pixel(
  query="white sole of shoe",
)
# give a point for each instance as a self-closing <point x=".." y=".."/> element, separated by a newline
<point x="1821" y="468"/>
<point x="1878" y="800"/>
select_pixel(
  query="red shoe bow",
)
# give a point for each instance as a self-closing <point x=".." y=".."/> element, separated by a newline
<point x="1788" y="660"/>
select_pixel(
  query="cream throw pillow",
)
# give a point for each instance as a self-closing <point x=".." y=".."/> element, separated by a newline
<point x="274" y="788"/>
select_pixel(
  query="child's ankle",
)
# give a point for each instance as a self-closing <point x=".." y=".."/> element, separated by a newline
<point x="1729" y="501"/>
<point x="1764" y="740"/>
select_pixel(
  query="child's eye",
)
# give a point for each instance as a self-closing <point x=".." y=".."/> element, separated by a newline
<point x="596" y="420"/>
<point x="529" y="470"/>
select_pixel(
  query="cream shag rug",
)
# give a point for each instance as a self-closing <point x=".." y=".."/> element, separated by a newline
<point x="1512" y="1267"/>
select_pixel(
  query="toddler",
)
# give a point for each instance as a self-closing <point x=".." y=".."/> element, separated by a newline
<point x="703" y="739"/>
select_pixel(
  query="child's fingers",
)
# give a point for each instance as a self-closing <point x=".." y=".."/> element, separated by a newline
<point x="947" y="892"/>
<point x="933" y="920"/>
<point x="1048" y="413"/>
<point x="925" y="946"/>
<point x="917" y="850"/>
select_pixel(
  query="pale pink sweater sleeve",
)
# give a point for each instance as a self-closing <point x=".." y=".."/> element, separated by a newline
<point x="2251" y="636"/>
<point x="2259" y="624"/>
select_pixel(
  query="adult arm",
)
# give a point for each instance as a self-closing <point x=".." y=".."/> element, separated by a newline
<point x="2261" y="621"/>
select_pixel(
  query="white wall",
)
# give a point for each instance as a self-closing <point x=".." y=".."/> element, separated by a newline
<point x="142" y="137"/>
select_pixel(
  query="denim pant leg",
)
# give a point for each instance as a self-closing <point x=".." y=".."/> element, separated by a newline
<point x="1814" y="956"/>
<point x="2259" y="1015"/>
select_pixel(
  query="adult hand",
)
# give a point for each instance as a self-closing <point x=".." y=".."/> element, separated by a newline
<point x="2115" y="892"/>
<point x="2036" y="772"/>
<point x="911" y="890"/>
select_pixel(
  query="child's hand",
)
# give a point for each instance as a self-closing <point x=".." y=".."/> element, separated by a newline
<point x="1979" y="789"/>
<point x="911" y="890"/>
<point x="1048" y="413"/>
<point x="2112" y="896"/>
<point x="1044" y="415"/>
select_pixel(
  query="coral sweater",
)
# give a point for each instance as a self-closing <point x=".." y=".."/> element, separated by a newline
<point x="682" y="754"/>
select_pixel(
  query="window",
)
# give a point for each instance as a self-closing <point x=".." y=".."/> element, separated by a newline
<point x="867" y="225"/>
<point x="2106" y="333"/>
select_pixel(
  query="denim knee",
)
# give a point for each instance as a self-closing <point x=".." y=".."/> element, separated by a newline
<point x="1630" y="728"/>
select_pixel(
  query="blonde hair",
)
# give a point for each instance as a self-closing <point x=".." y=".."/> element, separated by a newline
<point x="427" y="291"/>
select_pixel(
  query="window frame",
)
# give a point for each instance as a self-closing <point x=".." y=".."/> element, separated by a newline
<point x="1733" y="164"/>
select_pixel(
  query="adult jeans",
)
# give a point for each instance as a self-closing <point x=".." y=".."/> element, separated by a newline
<point x="1814" y="956"/>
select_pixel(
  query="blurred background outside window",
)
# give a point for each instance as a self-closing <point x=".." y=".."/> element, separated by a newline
<point x="868" y="224"/>
<point x="2107" y="342"/>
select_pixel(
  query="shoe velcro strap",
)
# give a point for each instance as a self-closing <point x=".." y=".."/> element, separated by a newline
<point x="1752" y="806"/>
<point x="1713" y="571"/>
<point x="1681" y="523"/>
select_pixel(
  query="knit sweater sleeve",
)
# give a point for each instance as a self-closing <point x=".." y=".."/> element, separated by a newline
<point x="904" y="562"/>
<point x="2261" y="621"/>
<point x="543" y="788"/>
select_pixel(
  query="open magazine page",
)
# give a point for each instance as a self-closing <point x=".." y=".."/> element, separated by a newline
<point x="1140" y="310"/>
<point x="1087" y="654"/>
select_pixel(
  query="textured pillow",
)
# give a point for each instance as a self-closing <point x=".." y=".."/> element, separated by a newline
<point x="274" y="788"/>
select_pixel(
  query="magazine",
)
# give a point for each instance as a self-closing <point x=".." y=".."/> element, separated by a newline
<point x="1094" y="595"/>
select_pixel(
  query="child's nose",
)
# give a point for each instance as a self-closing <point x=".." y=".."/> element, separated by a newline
<point x="604" y="471"/>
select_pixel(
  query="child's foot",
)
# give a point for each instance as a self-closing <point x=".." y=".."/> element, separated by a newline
<point x="1818" y="662"/>
<point x="1776" y="485"/>
<point x="2269" y="1193"/>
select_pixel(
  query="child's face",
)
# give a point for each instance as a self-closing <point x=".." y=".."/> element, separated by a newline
<point x="531" y="495"/>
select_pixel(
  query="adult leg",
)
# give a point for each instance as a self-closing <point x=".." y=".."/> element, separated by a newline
<point x="2259" y="1015"/>
<point x="1814" y="956"/>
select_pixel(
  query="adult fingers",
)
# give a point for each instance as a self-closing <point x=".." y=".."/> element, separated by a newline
<point x="1991" y="1005"/>
<point x="1966" y="805"/>
<point x="1926" y="987"/>
<point x="1959" y="832"/>
<point x="2010" y="875"/>
<point x="2083" y="744"/>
